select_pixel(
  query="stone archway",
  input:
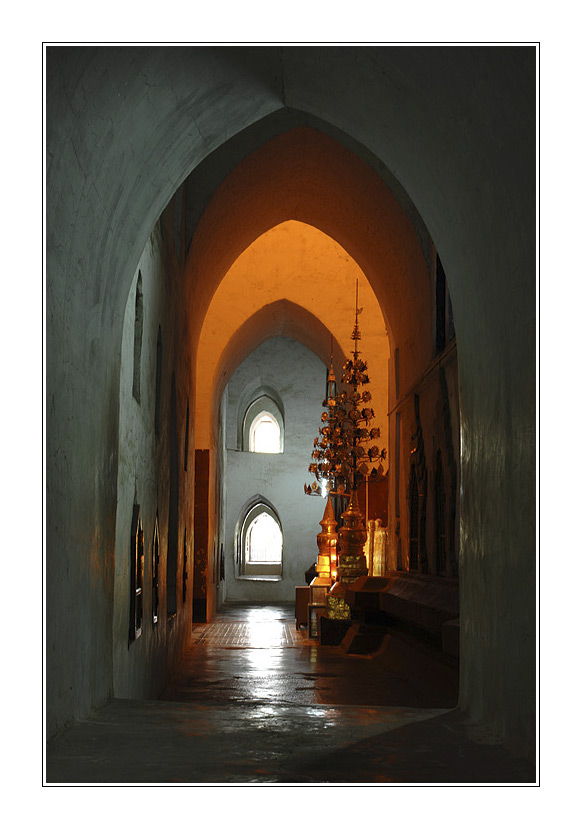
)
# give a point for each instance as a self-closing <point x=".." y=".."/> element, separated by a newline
<point x="458" y="128"/>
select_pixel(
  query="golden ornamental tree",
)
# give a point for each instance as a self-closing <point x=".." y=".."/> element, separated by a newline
<point x="344" y="453"/>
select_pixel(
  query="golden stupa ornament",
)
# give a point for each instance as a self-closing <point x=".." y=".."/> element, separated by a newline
<point x="356" y="433"/>
<point x="342" y="459"/>
<point x="327" y="539"/>
<point x="351" y="541"/>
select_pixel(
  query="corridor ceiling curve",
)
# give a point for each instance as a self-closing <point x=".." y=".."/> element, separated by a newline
<point x="307" y="176"/>
<point x="292" y="280"/>
<point x="282" y="318"/>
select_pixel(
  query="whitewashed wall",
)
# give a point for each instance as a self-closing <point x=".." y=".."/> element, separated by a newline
<point x="299" y="377"/>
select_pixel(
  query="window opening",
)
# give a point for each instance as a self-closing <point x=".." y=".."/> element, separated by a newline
<point x="261" y="428"/>
<point x="136" y="575"/>
<point x="264" y="434"/>
<point x="263" y="541"/>
<point x="155" y="573"/>
<point x="260" y="543"/>
<point x="138" y="330"/>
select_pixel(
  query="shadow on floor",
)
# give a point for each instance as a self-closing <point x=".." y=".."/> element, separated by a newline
<point x="445" y="749"/>
<point x="255" y="701"/>
<point x="159" y="742"/>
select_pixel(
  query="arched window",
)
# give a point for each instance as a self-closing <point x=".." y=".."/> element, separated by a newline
<point x="264" y="434"/>
<point x="260" y="543"/>
<point x="263" y="428"/>
<point x="138" y="331"/>
<point x="263" y="540"/>
<point x="155" y="572"/>
<point x="136" y="574"/>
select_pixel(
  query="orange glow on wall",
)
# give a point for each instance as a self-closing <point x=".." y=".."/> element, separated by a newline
<point x="298" y="263"/>
<point x="302" y="178"/>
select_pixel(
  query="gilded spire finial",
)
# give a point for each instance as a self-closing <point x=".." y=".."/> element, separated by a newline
<point x="356" y="331"/>
<point x="331" y="375"/>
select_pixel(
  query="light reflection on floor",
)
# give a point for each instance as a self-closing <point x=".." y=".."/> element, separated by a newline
<point x="253" y="653"/>
<point x="257" y="702"/>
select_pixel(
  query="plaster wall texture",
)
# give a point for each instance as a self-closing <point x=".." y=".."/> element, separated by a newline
<point x="457" y="127"/>
<point x="299" y="378"/>
<point x="144" y="470"/>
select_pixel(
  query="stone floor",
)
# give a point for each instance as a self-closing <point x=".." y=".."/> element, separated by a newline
<point x="256" y="701"/>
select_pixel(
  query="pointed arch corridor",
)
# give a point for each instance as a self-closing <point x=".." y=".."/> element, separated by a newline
<point x="209" y="213"/>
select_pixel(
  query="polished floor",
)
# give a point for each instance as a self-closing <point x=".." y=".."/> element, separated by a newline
<point x="257" y="702"/>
